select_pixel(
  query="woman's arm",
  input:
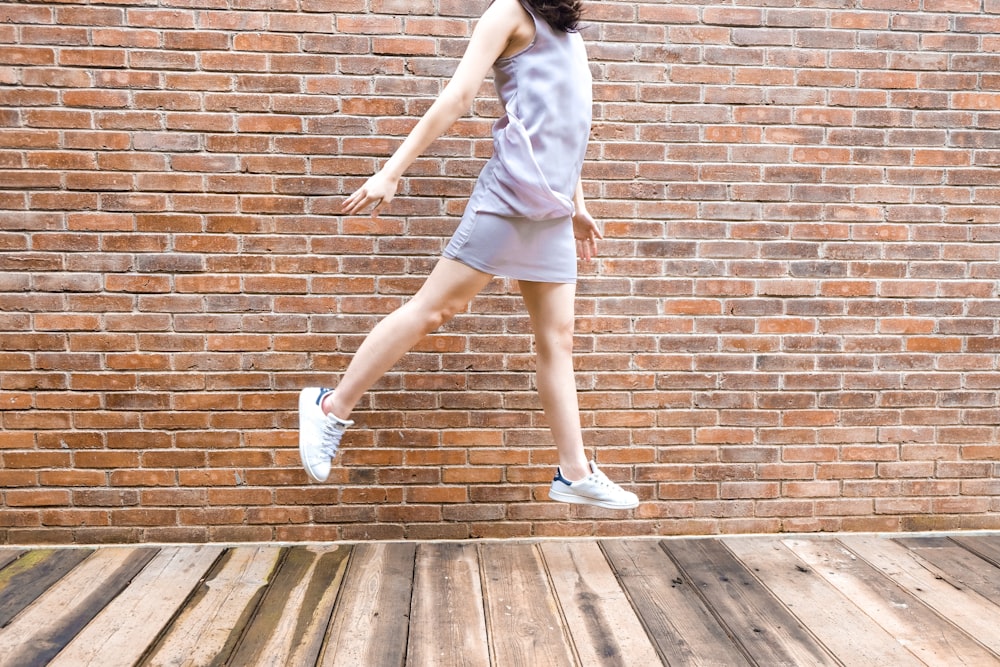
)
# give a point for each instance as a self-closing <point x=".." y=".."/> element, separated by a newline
<point x="491" y="37"/>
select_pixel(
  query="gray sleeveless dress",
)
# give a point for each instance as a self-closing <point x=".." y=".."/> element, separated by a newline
<point x="517" y="223"/>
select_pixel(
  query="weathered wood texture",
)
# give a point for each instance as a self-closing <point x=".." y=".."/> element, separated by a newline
<point x="521" y="610"/>
<point x="848" y="600"/>
<point x="371" y="623"/>
<point x="447" y="619"/>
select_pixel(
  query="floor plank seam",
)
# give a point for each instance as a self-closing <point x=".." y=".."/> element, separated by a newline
<point x="690" y="583"/>
<point x="628" y="596"/>
<point x="325" y="644"/>
<point x="564" y="624"/>
<point x="192" y="594"/>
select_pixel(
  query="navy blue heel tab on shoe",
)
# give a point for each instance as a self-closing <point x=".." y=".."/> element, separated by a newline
<point x="559" y="478"/>
<point x="323" y="391"/>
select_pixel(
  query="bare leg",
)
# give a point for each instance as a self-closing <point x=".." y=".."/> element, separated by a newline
<point x="448" y="290"/>
<point x="551" y="306"/>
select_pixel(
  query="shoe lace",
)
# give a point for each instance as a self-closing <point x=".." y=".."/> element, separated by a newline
<point x="331" y="434"/>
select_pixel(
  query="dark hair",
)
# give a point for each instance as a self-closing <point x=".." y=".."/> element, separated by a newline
<point x="562" y="15"/>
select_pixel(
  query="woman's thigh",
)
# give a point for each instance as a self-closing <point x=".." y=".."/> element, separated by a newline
<point x="449" y="287"/>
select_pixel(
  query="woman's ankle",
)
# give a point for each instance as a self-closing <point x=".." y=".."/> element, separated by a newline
<point x="329" y="406"/>
<point x="574" y="472"/>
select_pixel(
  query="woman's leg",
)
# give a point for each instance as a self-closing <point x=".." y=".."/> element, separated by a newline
<point x="448" y="290"/>
<point x="551" y="307"/>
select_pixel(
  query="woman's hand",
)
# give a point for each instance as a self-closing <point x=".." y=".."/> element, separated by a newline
<point x="586" y="233"/>
<point x="378" y="190"/>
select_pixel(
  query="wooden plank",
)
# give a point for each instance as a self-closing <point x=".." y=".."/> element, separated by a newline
<point x="38" y="633"/>
<point x="119" y="635"/>
<point x="27" y="577"/>
<point x="521" y="611"/>
<point x="447" y="623"/>
<point x="986" y="547"/>
<point x="932" y="639"/>
<point x="764" y="627"/>
<point x="849" y="634"/>
<point x="976" y="615"/>
<point x="289" y="626"/>
<point x="602" y="624"/>
<point x="371" y="620"/>
<point x="682" y="629"/>
<point x="8" y="556"/>
<point x="963" y="567"/>
<point x="209" y="627"/>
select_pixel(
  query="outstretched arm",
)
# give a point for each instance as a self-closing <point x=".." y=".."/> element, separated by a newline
<point x="491" y="37"/>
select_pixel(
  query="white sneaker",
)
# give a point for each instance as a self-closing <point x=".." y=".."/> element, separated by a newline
<point x="594" y="489"/>
<point x="319" y="433"/>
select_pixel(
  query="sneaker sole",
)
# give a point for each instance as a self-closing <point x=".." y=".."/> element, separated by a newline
<point x="574" y="499"/>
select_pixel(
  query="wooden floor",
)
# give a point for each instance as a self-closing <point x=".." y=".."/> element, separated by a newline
<point x="844" y="600"/>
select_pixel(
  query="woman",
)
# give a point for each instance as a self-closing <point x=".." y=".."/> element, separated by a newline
<point x="526" y="219"/>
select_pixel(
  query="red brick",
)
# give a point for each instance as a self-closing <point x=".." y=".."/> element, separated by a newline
<point x="731" y="490"/>
<point x="241" y="534"/>
<point x="810" y="489"/>
<point x="785" y="508"/>
<point x="36" y="498"/>
<point x="143" y="517"/>
<point x="74" y="517"/>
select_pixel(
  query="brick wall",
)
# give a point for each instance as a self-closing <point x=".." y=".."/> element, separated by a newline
<point x="793" y="326"/>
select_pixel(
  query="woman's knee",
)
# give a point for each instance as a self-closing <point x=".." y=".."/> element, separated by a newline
<point x="433" y="316"/>
<point x="439" y="317"/>
<point x="554" y="341"/>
